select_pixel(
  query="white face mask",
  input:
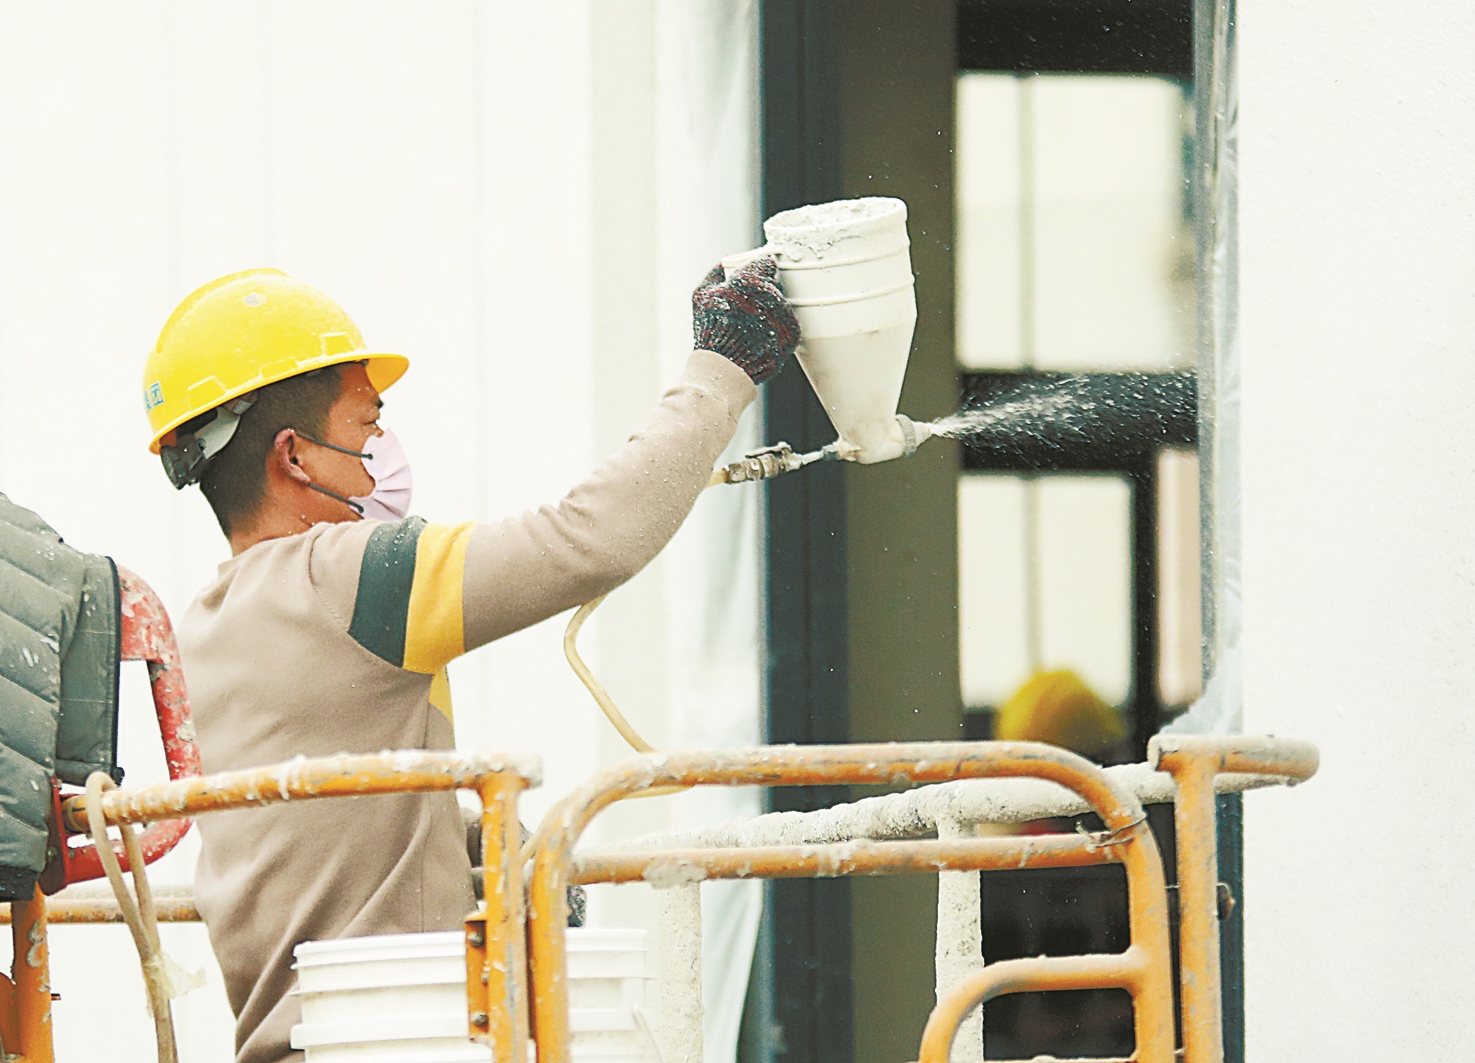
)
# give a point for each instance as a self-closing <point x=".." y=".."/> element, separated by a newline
<point x="387" y="463"/>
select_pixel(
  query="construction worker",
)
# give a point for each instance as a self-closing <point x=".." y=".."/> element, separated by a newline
<point x="330" y="627"/>
<point x="1059" y="708"/>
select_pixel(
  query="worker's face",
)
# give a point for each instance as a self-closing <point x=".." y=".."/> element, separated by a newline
<point x="352" y="420"/>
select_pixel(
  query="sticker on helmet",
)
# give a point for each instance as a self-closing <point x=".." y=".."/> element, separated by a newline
<point x="153" y="395"/>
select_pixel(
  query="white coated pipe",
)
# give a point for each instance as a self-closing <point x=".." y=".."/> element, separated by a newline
<point x="917" y="812"/>
<point x="681" y="972"/>
<point x="960" y="940"/>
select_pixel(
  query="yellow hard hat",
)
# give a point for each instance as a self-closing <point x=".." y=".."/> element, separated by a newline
<point x="1059" y="708"/>
<point x="242" y="332"/>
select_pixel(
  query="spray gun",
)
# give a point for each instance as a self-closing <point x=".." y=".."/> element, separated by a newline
<point x="845" y="267"/>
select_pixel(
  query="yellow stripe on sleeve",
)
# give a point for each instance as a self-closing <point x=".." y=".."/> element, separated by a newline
<point x="434" y="629"/>
<point x="440" y="693"/>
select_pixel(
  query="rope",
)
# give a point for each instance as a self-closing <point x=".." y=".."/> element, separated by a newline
<point x="138" y="914"/>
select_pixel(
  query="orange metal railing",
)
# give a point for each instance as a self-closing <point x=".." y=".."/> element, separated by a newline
<point x="496" y="984"/>
<point x="25" y="997"/>
<point x="516" y="986"/>
<point x="99" y="909"/>
<point x="1194" y="762"/>
<point x="1144" y="969"/>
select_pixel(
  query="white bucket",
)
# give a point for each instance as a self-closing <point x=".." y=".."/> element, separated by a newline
<point x="846" y="268"/>
<point x="401" y="998"/>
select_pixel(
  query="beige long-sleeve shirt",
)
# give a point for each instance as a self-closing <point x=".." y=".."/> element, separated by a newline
<point x="336" y="640"/>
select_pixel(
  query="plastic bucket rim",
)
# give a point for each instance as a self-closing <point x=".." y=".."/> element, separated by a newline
<point x="786" y="264"/>
<point x="446" y="1026"/>
<point x="349" y="1051"/>
<point x="845" y="233"/>
<point x="423" y="939"/>
<point x="300" y="990"/>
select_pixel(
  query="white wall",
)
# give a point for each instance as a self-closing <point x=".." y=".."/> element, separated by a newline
<point x="1358" y="352"/>
<point x="520" y="198"/>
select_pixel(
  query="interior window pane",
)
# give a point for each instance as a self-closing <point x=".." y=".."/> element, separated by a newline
<point x="1075" y="594"/>
<point x="1110" y="235"/>
<point x="993" y="656"/>
<point x="988" y="221"/>
<point x="1073" y="250"/>
<point x="1085" y="580"/>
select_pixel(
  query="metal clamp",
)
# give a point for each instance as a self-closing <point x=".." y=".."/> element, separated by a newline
<point x="909" y="437"/>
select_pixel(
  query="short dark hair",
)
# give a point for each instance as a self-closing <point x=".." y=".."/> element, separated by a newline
<point x="234" y="482"/>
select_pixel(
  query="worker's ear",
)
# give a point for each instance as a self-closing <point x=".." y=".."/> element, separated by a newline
<point x="284" y="455"/>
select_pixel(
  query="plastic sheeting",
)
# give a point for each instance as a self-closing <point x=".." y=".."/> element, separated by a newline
<point x="699" y="687"/>
<point x="1220" y="709"/>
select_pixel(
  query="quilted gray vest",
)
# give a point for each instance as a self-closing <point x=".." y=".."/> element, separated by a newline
<point x="59" y="643"/>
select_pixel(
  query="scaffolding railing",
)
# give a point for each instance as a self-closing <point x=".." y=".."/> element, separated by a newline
<point x="513" y="994"/>
<point x="1143" y="969"/>
<point x="872" y="836"/>
<point x="496" y="982"/>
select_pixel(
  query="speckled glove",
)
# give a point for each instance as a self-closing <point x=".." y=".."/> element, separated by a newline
<point x="746" y="319"/>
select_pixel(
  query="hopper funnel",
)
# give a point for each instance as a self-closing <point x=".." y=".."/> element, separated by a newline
<point x="846" y="269"/>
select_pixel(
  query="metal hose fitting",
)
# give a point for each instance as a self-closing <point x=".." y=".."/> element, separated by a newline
<point x="772" y="461"/>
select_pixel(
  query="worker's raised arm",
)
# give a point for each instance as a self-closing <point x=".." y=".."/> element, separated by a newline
<point x="427" y="593"/>
<point x="525" y="569"/>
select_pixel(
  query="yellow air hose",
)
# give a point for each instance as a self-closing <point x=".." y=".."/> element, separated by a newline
<point x="602" y="697"/>
<point x="593" y="685"/>
<point x="596" y="689"/>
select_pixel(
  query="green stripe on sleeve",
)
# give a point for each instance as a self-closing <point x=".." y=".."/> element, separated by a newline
<point x="381" y="610"/>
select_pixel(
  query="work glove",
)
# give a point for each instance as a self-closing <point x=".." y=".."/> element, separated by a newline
<point x="745" y="319"/>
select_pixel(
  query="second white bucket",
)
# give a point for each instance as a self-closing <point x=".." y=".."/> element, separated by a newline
<point x="401" y="998"/>
<point x="846" y="268"/>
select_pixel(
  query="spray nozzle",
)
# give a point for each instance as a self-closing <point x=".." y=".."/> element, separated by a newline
<point x="898" y="437"/>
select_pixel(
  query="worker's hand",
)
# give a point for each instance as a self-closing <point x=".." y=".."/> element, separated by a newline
<point x="745" y="319"/>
